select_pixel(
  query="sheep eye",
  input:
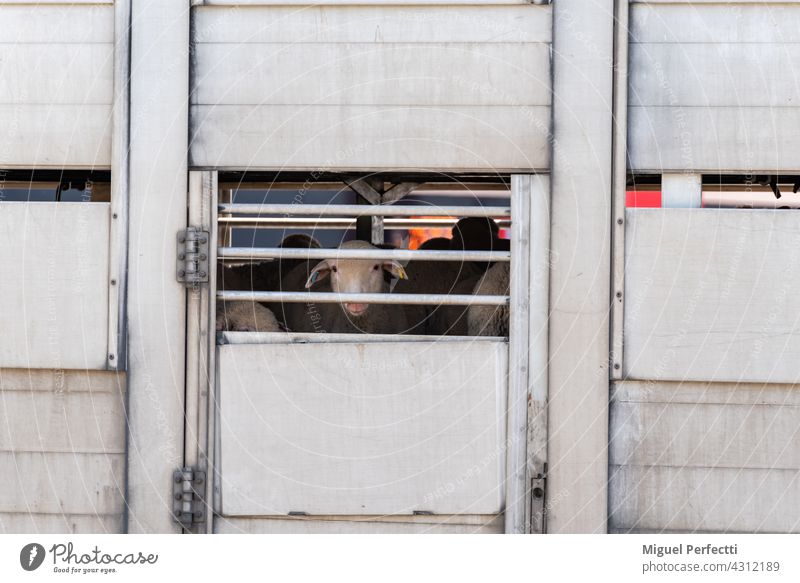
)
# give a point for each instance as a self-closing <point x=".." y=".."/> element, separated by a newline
<point x="375" y="267"/>
<point x="333" y="269"/>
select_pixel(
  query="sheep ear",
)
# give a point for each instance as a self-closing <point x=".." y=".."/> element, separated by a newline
<point x="320" y="272"/>
<point x="395" y="269"/>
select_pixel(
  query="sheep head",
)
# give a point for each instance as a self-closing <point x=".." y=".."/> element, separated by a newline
<point x="357" y="276"/>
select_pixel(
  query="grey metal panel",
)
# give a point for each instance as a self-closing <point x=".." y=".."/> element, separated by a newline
<point x="704" y="457"/>
<point x="364" y="22"/>
<point x="689" y="499"/>
<point x="364" y="137"/>
<point x="62" y="483"/>
<point x="713" y="88"/>
<point x="367" y="87"/>
<point x="714" y="139"/>
<point x="62" y="523"/>
<point x="710" y="295"/>
<point x="54" y="284"/>
<point x="457" y="524"/>
<point x="56" y="69"/>
<point x="362" y="429"/>
<point x="715" y="74"/>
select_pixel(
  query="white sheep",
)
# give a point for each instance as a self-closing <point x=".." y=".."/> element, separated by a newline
<point x="245" y="317"/>
<point x="491" y="320"/>
<point x="344" y="276"/>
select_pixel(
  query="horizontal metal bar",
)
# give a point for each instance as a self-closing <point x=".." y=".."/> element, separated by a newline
<point x="335" y="298"/>
<point x="396" y="254"/>
<point x="328" y="337"/>
<point x="333" y="210"/>
<point x="338" y="223"/>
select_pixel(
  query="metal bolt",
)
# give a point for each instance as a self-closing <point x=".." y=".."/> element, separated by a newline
<point x="619" y="221"/>
<point x="181" y="273"/>
<point x="181" y="255"/>
<point x="203" y="257"/>
<point x="616" y="366"/>
<point x="619" y="294"/>
<point x="201" y="240"/>
<point x="110" y="357"/>
<point x="114" y="216"/>
<point x="202" y="274"/>
<point x="198" y="480"/>
<point x="178" y="496"/>
<point x="198" y="516"/>
<point x="178" y="479"/>
<point x="113" y="282"/>
<point x="181" y="239"/>
<point x="538" y="493"/>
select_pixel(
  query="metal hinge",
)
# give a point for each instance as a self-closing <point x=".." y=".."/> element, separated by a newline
<point x="192" y="269"/>
<point x="188" y="505"/>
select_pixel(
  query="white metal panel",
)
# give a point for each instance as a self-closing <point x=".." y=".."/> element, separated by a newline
<point x="21" y="23"/>
<point x="359" y="525"/>
<point x="713" y="88"/>
<point x="373" y="23"/>
<point x="56" y="85"/>
<point x="371" y="73"/>
<point x="346" y="2"/>
<point x="710" y="295"/>
<point x="748" y="22"/>
<point x="54" y="285"/>
<point x="62" y="422"/>
<point x="38" y="2"/>
<point x="707" y="393"/>
<point x="362" y="429"/>
<point x="714" y="139"/>
<point x="708" y="435"/>
<point x="704" y="457"/>
<point x="56" y="73"/>
<point x="692" y="2"/>
<point x="62" y="483"/>
<point x="62" y="444"/>
<point x="715" y="74"/>
<point x="361" y="87"/>
<point x="55" y="136"/>
<point x="61" y="523"/>
<point x="703" y="499"/>
<point x="365" y="137"/>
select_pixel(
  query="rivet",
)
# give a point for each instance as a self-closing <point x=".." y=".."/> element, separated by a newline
<point x="616" y="366"/>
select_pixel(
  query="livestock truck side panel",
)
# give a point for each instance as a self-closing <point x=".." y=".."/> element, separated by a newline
<point x="646" y="380"/>
<point x="703" y="413"/>
<point x="62" y="449"/>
